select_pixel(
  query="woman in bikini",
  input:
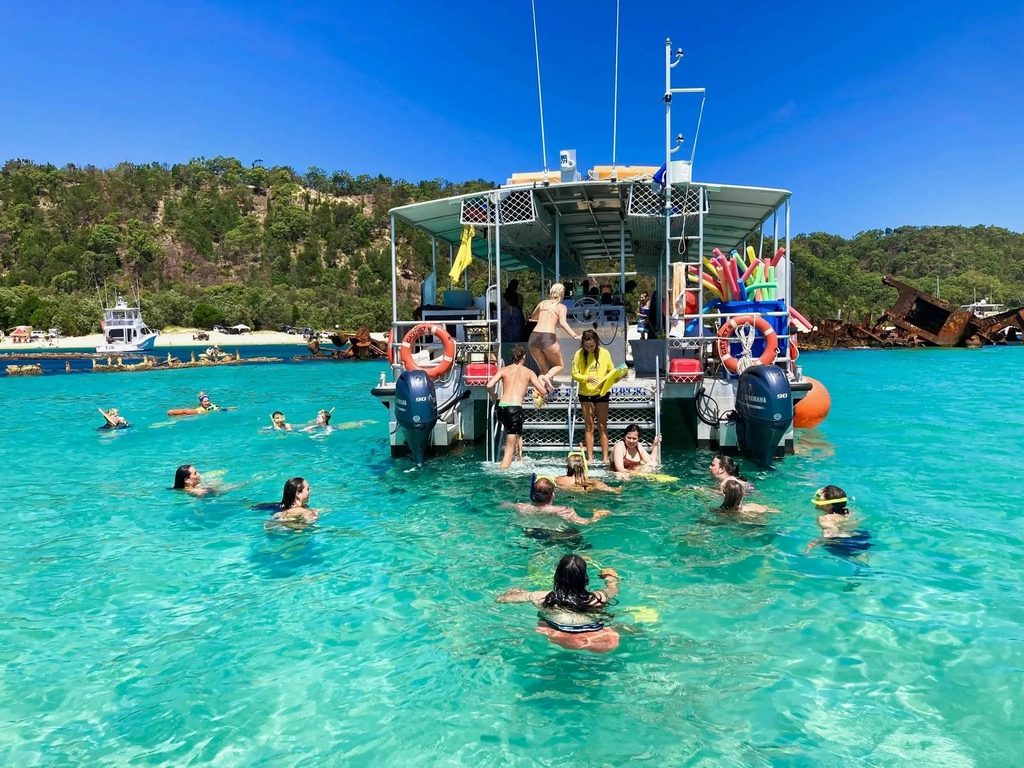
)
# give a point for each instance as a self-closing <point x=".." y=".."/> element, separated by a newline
<point x="570" y="614"/>
<point x="629" y="457"/>
<point x="548" y="315"/>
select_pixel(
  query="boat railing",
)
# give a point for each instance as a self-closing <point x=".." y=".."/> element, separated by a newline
<point x="475" y="340"/>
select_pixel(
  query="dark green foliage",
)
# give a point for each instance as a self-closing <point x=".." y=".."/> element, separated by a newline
<point x="214" y="240"/>
<point x="205" y="316"/>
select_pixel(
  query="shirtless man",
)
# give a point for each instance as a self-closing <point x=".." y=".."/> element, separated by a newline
<point x="544" y="504"/>
<point x="515" y="379"/>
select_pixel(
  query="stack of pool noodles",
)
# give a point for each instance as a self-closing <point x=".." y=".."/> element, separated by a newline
<point x="733" y="278"/>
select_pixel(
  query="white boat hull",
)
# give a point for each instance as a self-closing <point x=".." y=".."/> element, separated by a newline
<point x="144" y="344"/>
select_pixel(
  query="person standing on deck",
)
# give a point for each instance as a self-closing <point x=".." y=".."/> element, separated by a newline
<point x="515" y="379"/>
<point x="590" y="367"/>
<point x="543" y="342"/>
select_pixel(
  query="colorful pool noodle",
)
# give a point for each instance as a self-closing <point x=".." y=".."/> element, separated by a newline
<point x="739" y="260"/>
<point x="749" y="274"/>
<point x="735" y="274"/>
<point x="775" y="285"/>
<point x="800" y="319"/>
<point x="750" y="254"/>
<point x="694" y="276"/>
<point x="778" y="255"/>
<point x="726" y="269"/>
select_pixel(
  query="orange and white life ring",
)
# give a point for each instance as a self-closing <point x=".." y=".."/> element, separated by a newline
<point x="391" y="348"/>
<point x="771" y="340"/>
<point x="428" y="329"/>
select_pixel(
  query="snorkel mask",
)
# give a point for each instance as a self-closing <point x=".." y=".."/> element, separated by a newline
<point x="819" y="500"/>
<point x="583" y="458"/>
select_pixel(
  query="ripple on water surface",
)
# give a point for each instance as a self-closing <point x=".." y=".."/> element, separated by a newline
<point x="141" y="627"/>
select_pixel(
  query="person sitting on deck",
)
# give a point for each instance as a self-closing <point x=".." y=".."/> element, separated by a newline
<point x="542" y="502"/>
<point x="629" y="456"/>
<point x="835" y="523"/>
<point x="575" y="477"/>
<point x="570" y="615"/>
<point x="515" y="378"/>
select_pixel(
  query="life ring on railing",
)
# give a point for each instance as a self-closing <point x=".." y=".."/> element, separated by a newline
<point x="428" y="329"/>
<point x="391" y="348"/>
<point x="771" y="340"/>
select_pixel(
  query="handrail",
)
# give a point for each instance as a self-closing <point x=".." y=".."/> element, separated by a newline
<point x="657" y="396"/>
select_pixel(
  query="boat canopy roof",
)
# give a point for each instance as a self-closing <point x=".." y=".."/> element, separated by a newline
<point x="589" y="214"/>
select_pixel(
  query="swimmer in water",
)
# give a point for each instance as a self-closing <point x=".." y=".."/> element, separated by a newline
<point x="575" y="477"/>
<point x="723" y="467"/>
<point x="205" y="404"/>
<point x="113" y="420"/>
<point x="277" y="418"/>
<point x="186" y="478"/>
<point x="835" y="522"/>
<point x="323" y="421"/>
<point x="293" y="511"/>
<point x="629" y="456"/>
<point x="542" y="497"/>
<point x="569" y="614"/>
<point x="733" y="503"/>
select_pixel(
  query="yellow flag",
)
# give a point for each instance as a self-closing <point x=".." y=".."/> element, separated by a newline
<point x="465" y="255"/>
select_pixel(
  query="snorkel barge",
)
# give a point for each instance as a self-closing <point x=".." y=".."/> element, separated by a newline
<point x="651" y="221"/>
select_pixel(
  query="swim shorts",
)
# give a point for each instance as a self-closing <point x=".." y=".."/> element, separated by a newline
<point x="542" y="340"/>
<point x="596" y="398"/>
<point x="511" y="418"/>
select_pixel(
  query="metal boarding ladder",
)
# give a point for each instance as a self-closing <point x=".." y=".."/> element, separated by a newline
<point x="558" y="425"/>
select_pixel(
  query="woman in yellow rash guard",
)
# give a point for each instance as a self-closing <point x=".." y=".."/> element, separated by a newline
<point x="591" y="367"/>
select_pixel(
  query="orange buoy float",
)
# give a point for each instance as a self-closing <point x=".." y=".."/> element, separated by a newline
<point x="391" y="348"/>
<point x="771" y="340"/>
<point x="814" y="408"/>
<point x="428" y="329"/>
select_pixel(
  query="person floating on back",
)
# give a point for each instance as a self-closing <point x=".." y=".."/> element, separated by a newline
<point x="515" y="378"/>
<point x="836" y="524"/>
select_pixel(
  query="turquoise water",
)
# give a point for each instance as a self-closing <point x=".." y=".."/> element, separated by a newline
<point x="143" y="627"/>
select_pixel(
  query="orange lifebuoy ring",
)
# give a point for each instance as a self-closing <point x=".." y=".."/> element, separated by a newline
<point x="391" y="349"/>
<point x="771" y="340"/>
<point x="428" y="329"/>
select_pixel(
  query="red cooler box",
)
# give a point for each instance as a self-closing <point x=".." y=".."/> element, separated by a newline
<point x="685" y="369"/>
<point x="478" y="374"/>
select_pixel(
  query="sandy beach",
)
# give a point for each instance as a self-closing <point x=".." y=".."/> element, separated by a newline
<point x="182" y="337"/>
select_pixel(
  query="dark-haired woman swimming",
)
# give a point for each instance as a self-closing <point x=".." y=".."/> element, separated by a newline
<point x="570" y="615"/>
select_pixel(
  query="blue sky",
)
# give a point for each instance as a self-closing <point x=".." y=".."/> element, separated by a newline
<point x="874" y="114"/>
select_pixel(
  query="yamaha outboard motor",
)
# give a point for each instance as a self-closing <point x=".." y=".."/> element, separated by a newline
<point x="416" y="411"/>
<point x="764" y="409"/>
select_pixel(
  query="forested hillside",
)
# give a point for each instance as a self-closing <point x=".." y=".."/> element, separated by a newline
<point x="215" y="240"/>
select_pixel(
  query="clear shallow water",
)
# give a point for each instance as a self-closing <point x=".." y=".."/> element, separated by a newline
<point x="140" y="627"/>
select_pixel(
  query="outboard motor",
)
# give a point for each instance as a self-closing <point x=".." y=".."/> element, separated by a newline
<point x="416" y="411"/>
<point x="764" y="407"/>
